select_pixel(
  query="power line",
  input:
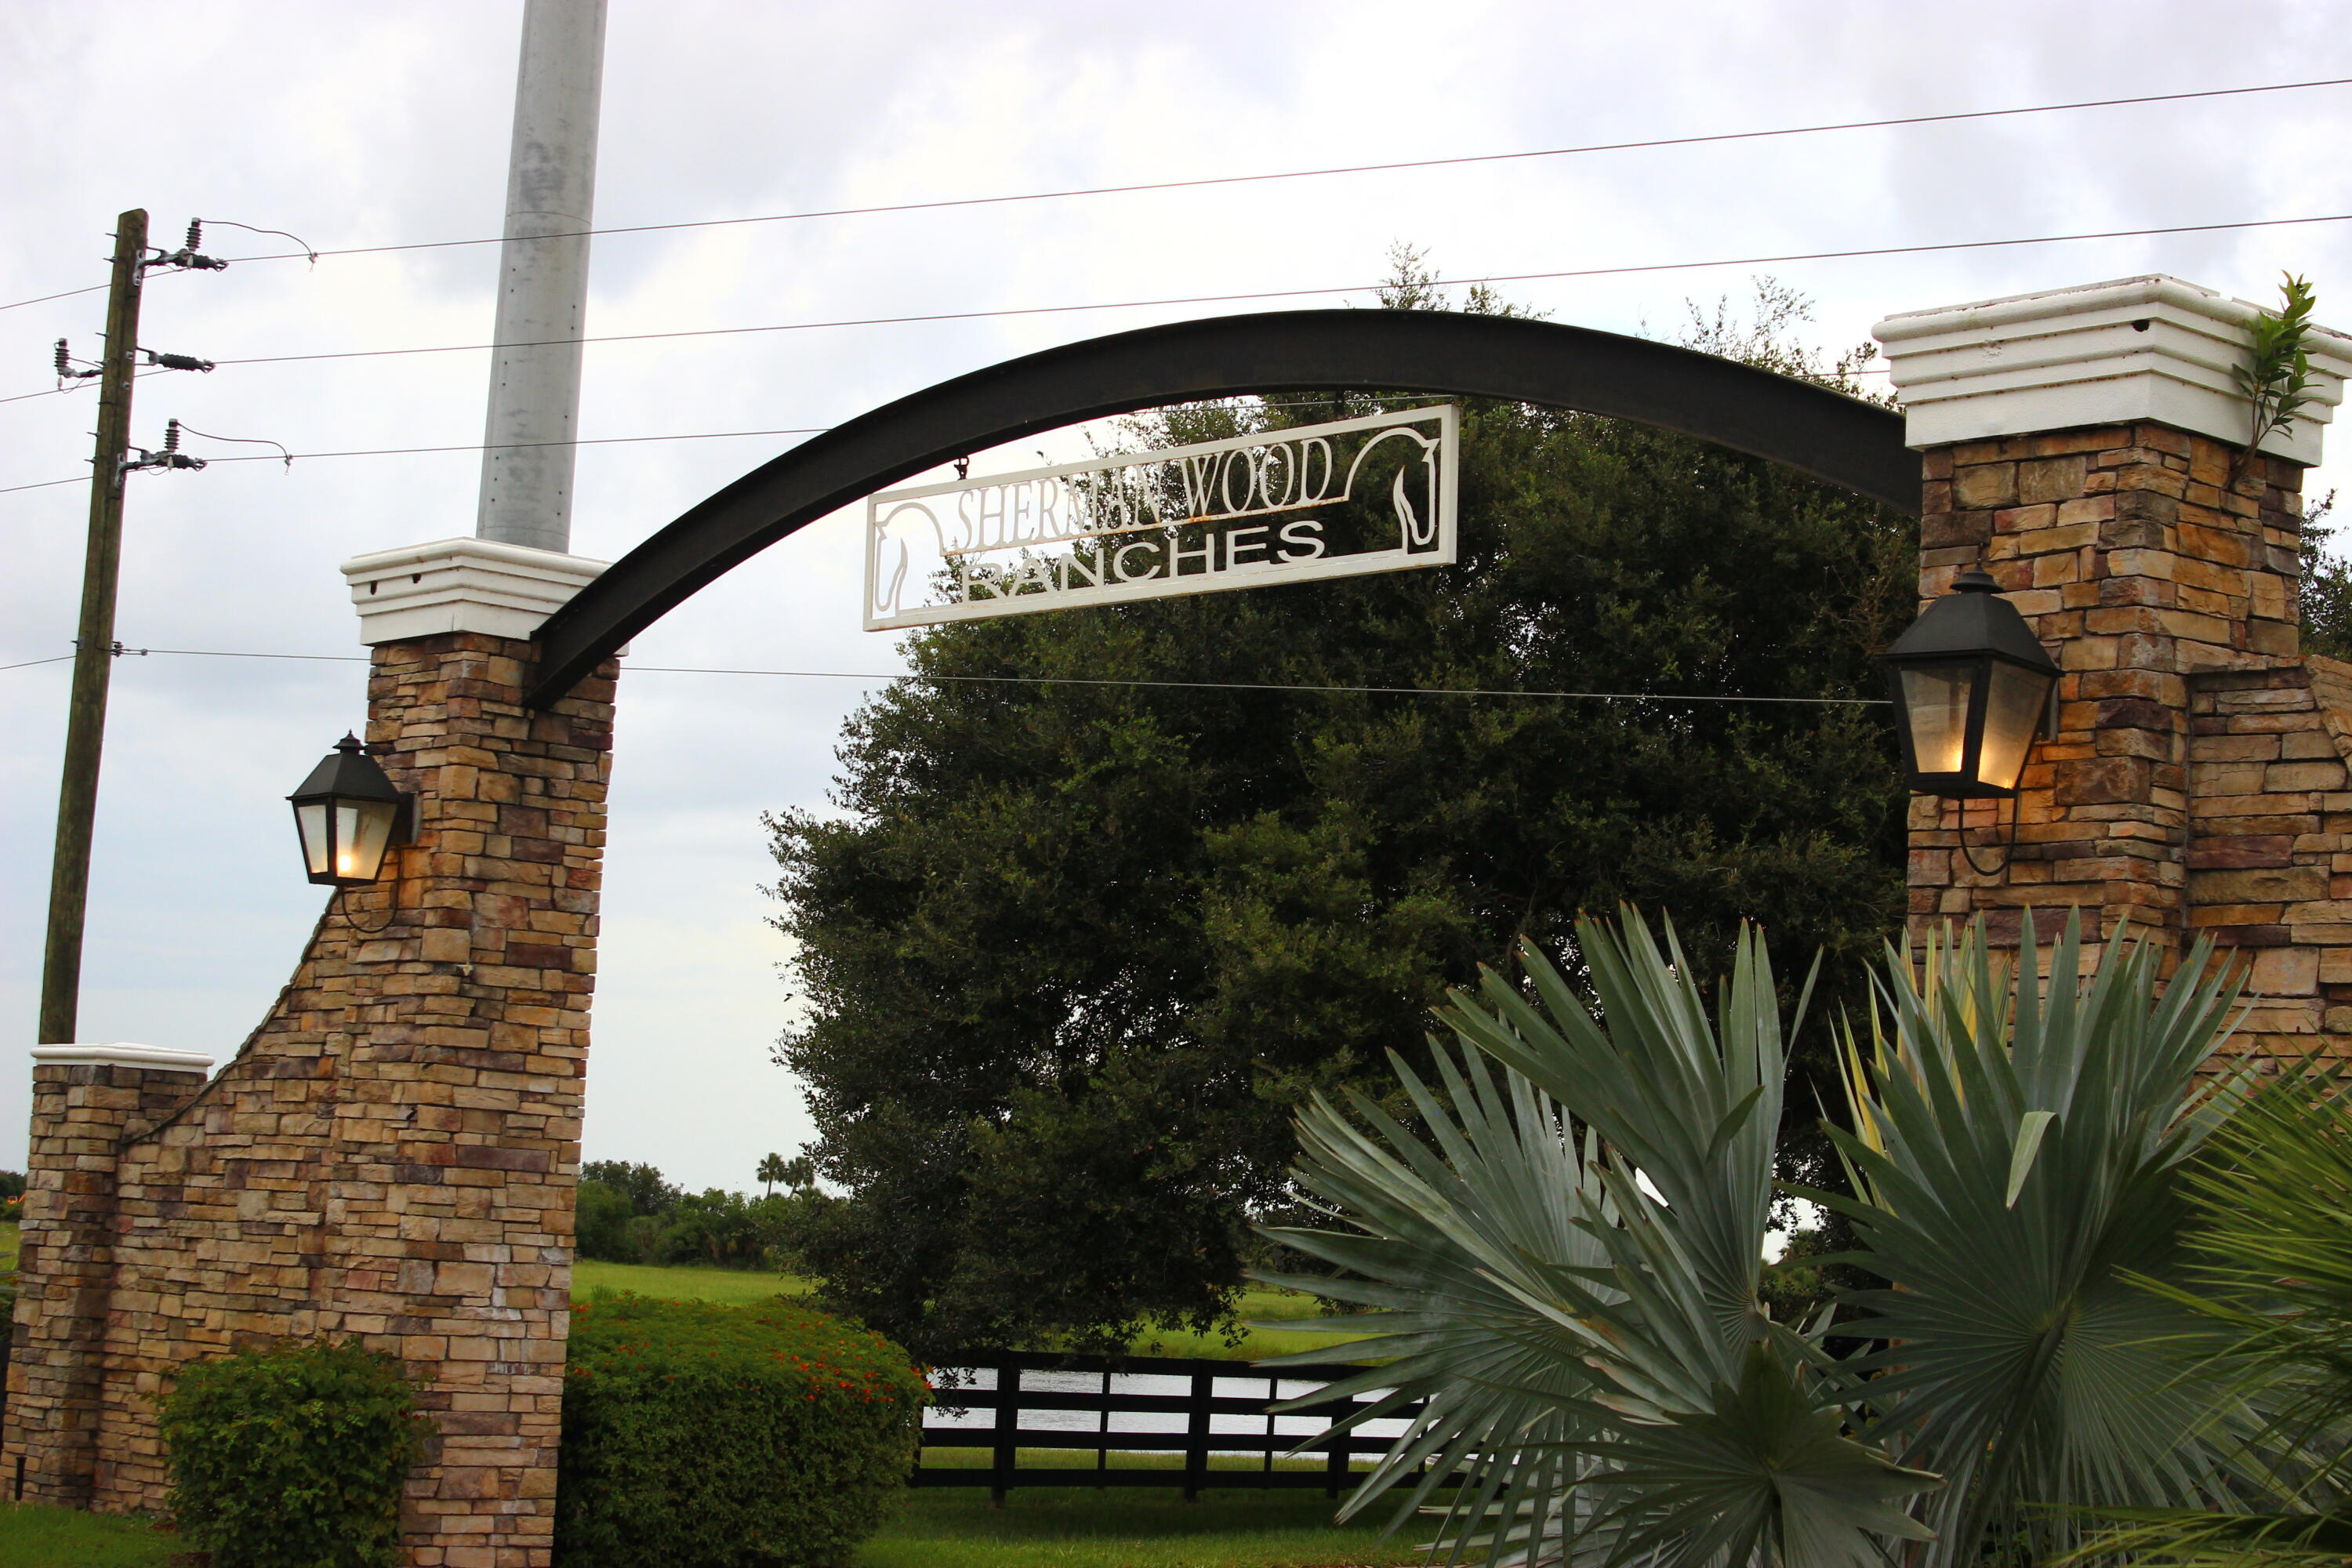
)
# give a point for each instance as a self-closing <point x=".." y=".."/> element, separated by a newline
<point x="216" y="653"/>
<point x="510" y="445"/>
<point x="291" y="457"/>
<point x="1590" y="148"/>
<point x="1288" y="293"/>
<point x="68" y="294"/>
<point x="1141" y="186"/>
<point x="1083" y="680"/>
<point x="1298" y="293"/>
<point x="79" y="385"/>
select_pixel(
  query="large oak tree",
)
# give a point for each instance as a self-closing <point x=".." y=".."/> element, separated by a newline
<point x="1074" y="953"/>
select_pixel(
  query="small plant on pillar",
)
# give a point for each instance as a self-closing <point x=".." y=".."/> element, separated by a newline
<point x="2276" y="379"/>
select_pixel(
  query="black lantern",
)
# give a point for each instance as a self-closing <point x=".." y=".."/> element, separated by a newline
<point x="1971" y="688"/>
<point x="349" y="814"/>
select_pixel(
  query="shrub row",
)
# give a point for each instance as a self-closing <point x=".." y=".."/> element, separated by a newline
<point x="766" y="1437"/>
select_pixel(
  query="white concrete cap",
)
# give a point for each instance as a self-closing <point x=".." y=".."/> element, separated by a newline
<point x="2147" y="348"/>
<point x="122" y="1053"/>
<point x="462" y="585"/>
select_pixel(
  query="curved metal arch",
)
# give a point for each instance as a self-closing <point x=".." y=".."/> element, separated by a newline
<point x="1831" y="437"/>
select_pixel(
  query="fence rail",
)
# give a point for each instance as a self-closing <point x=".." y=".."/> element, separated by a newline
<point x="1199" y="1405"/>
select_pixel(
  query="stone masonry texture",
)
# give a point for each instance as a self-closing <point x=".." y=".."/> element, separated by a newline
<point x="2196" y="785"/>
<point x="391" y="1156"/>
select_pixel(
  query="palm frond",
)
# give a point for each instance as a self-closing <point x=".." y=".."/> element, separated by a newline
<point x="1582" y="1313"/>
<point x="2018" y="1151"/>
<point x="2271" y="1271"/>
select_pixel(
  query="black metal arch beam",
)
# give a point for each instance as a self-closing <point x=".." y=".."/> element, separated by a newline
<point x="1834" y="437"/>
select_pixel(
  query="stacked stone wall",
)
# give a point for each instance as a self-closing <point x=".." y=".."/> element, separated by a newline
<point x="2196" y="784"/>
<point x="2144" y="568"/>
<point x="392" y="1153"/>
<point x="2270" y="852"/>
<point x="81" y="1116"/>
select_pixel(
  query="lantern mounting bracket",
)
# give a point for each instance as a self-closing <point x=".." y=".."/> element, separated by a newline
<point x="2008" y="855"/>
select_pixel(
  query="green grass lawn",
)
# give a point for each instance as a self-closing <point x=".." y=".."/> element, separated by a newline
<point x="1079" y="1527"/>
<point x="66" y="1538"/>
<point x="8" y="1247"/>
<point x="737" y="1286"/>
<point x="1257" y="1305"/>
<point x="1045" y="1527"/>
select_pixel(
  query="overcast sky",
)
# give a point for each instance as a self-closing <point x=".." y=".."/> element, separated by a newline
<point x="384" y="123"/>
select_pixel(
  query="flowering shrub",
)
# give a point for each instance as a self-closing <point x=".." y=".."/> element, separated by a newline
<point x="769" y="1436"/>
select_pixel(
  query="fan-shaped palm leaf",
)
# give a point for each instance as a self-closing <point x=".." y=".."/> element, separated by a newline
<point x="1585" y="1324"/>
<point x="2017" y="1150"/>
<point x="2272" y="1248"/>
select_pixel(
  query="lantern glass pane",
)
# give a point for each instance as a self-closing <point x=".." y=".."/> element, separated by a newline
<point x="312" y="819"/>
<point x="1936" y="705"/>
<point x="2012" y="714"/>
<point x="363" y="830"/>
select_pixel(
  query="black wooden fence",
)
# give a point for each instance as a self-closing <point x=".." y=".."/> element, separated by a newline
<point x="1006" y="1436"/>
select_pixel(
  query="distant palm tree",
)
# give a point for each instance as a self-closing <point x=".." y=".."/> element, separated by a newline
<point x="799" y="1172"/>
<point x="771" y="1171"/>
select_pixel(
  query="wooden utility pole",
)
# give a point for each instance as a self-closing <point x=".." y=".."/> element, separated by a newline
<point x="94" y="647"/>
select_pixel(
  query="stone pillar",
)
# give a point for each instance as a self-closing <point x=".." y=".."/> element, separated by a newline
<point x="2086" y="447"/>
<point x="391" y="1154"/>
<point x="87" y="1100"/>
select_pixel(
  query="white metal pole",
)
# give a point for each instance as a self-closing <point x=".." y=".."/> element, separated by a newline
<point x="543" y="283"/>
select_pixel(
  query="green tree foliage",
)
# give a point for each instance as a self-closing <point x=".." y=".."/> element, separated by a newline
<point x="628" y="1213"/>
<point x="1075" y="954"/>
<point x="292" y="1457"/>
<point x="2325" y="589"/>
<point x="643" y="1187"/>
<point x="1564" y="1258"/>
<point x="696" y="1435"/>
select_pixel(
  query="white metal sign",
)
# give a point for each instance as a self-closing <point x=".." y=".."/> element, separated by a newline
<point x="1240" y="513"/>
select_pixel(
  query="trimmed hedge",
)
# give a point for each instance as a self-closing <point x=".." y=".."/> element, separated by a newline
<point x="764" y="1436"/>
<point x="292" y="1457"/>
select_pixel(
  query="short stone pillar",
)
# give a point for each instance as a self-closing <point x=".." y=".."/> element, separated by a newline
<point x="87" y="1100"/>
<point x="2086" y="446"/>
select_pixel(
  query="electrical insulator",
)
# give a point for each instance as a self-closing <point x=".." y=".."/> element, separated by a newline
<point x="66" y="370"/>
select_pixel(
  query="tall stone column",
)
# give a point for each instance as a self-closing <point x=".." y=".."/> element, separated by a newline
<point x="87" y="1102"/>
<point x="2086" y="446"/>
